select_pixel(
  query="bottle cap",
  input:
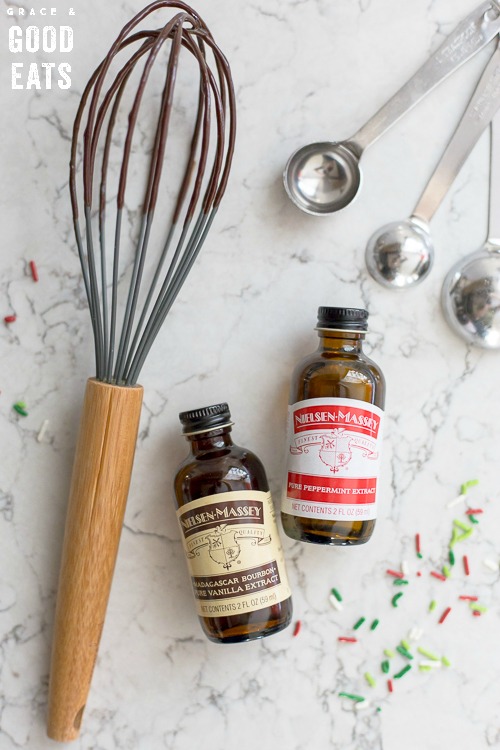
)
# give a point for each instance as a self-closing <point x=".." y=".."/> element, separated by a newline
<point x="206" y="419"/>
<point x="343" y="318"/>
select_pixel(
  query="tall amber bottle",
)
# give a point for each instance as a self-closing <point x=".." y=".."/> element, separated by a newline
<point x="334" y="436"/>
<point x="229" y="533"/>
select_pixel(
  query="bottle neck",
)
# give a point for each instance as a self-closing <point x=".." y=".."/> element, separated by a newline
<point x="214" y="440"/>
<point x="342" y="341"/>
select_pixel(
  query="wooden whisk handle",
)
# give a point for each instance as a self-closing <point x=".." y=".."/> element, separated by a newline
<point x="98" y="495"/>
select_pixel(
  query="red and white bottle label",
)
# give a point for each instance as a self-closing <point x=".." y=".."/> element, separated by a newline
<point x="333" y="459"/>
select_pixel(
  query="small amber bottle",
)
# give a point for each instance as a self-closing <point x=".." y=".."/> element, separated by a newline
<point x="334" y="436"/>
<point x="229" y="533"/>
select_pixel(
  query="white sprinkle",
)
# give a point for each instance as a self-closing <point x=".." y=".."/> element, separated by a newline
<point x="456" y="501"/>
<point x="43" y="430"/>
<point x="360" y="705"/>
<point x="433" y="664"/>
<point x="415" y="634"/>
<point x="491" y="564"/>
<point x="335" y="603"/>
<point x="405" y="567"/>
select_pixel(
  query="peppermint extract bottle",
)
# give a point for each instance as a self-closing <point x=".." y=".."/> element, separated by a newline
<point x="334" y="436"/>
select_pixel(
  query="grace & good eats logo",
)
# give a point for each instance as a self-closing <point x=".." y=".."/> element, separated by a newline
<point x="37" y="37"/>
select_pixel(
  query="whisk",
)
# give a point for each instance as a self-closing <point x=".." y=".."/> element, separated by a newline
<point x="123" y="337"/>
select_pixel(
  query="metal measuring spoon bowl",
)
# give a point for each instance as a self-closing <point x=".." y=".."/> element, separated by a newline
<point x="322" y="178"/>
<point x="470" y="298"/>
<point x="400" y="254"/>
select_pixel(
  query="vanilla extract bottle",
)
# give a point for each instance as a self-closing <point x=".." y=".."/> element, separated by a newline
<point x="229" y="533"/>
<point x="334" y="436"/>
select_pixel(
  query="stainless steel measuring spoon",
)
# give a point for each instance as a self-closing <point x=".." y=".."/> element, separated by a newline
<point x="470" y="296"/>
<point x="400" y="254"/>
<point x="322" y="178"/>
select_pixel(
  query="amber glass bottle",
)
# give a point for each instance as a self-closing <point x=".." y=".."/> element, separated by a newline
<point x="229" y="533"/>
<point x="334" y="436"/>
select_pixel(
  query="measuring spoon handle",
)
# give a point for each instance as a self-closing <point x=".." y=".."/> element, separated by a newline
<point x="480" y="111"/>
<point x="470" y="36"/>
<point x="494" y="207"/>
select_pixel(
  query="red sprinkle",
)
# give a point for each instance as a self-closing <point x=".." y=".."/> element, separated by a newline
<point x="389" y="685"/>
<point x="417" y="542"/>
<point x="296" y="630"/>
<point x="395" y="573"/>
<point x="473" y="511"/>
<point x="419" y="573"/>
<point x="466" y="565"/>
<point x="444" y="615"/>
<point x="345" y="639"/>
<point x="438" y="575"/>
<point x="468" y="598"/>
<point x="10" y="318"/>
<point x="34" y="272"/>
<point x="476" y="613"/>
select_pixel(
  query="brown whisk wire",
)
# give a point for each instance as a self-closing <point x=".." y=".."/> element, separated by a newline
<point x="185" y="31"/>
<point x="157" y="155"/>
<point x="92" y="294"/>
<point x="213" y="195"/>
<point x="118" y="87"/>
<point x="168" y="241"/>
<point x="141" y="350"/>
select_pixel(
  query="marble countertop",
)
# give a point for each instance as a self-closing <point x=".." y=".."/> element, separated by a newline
<point x="304" y="70"/>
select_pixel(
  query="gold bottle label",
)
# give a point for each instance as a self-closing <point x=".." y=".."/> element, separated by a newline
<point x="233" y="552"/>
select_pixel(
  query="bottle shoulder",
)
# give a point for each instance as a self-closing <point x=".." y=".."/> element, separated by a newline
<point x="230" y="469"/>
<point x="338" y="374"/>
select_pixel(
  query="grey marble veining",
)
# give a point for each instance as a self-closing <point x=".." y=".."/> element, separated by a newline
<point x="304" y="70"/>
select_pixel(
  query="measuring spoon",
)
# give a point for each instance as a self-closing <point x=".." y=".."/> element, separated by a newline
<point x="400" y="254"/>
<point x="470" y="296"/>
<point x="322" y="178"/>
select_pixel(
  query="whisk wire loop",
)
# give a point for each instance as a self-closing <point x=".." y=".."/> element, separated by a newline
<point x="122" y="342"/>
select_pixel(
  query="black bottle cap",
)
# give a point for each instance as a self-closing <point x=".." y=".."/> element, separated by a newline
<point x="343" y="318"/>
<point x="205" y="419"/>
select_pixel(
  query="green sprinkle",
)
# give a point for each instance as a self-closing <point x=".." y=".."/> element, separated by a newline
<point x="385" y="666"/>
<point x="395" y="599"/>
<point x="404" y="652"/>
<point x="427" y="653"/>
<point x="389" y="653"/>
<point x="451" y="557"/>
<point x="454" y="537"/>
<point x="374" y="624"/>
<point x="402" y="672"/>
<point x="359" y="623"/>
<point x="419" y="555"/>
<point x="400" y="582"/>
<point x="473" y="519"/>
<point x="477" y="607"/>
<point x="352" y="697"/>
<point x="20" y="407"/>
<point x="446" y="571"/>
<point x="370" y="680"/>
<point x="336" y="595"/>
<point x="432" y="605"/>
<point x="379" y="709"/>
<point x="406" y="645"/>
<point x="446" y="662"/>
<point x="423" y="668"/>
<point x="461" y="524"/>
<point x="465" y="535"/>
<point x="465" y="486"/>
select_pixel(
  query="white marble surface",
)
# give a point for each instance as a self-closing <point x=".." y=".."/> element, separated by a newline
<point x="304" y="70"/>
